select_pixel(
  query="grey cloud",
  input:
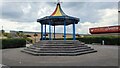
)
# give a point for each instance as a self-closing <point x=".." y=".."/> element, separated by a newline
<point x="11" y="10"/>
<point x="119" y="6"/>
<point x="14" y="11"/>
<point x="86" y="11"/>
<point x="61" y="0"/>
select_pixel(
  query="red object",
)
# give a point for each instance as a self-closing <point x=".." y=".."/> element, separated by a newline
<point x="108" y="29"/>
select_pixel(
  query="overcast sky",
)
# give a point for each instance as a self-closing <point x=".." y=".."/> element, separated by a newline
<point x="22" y="15"/>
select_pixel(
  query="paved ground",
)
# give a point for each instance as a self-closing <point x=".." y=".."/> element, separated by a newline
<point x="106" y="56"/>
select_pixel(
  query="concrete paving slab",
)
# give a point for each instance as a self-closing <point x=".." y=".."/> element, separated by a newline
<point x="106" y="56"/>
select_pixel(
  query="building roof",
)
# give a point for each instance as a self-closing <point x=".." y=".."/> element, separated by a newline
<point x="58" y="11"/>
<point x="106" y="29"/>
<point x="58" y="17"/>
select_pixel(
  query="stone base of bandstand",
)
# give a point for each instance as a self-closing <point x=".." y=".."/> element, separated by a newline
<point x="58" y="48"/>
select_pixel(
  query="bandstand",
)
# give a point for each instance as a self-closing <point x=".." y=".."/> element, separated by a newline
<point x="58" y="17"/>
<point x="58" y="47"/>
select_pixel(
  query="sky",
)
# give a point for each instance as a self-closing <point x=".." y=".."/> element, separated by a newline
<point x="22" y="15"/>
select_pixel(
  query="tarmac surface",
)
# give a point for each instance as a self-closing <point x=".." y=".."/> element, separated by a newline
<point x="106" y="56"/>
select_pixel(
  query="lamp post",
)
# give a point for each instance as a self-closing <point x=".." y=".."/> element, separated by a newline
<point x="2" y="32"/>
<point x="35" y="36"/>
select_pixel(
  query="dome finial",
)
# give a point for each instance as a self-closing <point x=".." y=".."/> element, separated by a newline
<point x="58" y="2"/>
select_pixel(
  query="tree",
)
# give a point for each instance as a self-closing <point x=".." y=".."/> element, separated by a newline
<point x="8" y="35"/>
<point x="20" y="34"/>
<point x="28" y="35"/>
<point x="77" y="35"/>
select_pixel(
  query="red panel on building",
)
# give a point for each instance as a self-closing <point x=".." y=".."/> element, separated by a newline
<point x="108" y="29"/>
